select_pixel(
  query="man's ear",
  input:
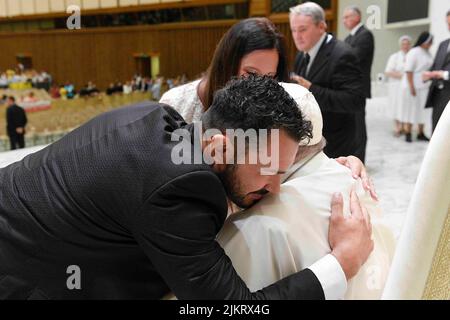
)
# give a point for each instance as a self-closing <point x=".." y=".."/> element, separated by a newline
<point x="217" y="150"/>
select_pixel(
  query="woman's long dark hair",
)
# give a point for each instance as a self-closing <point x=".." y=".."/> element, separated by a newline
<point x="241" y="39"/>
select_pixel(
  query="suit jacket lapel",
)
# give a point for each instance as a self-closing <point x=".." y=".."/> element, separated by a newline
<point x="358" y="32"/>
<point x="351" y="39"/>
<point x="298" y="62"/>
<point x="446" y="54"/>
<point x="441" y="56"/>
<point x="321" y="58"/>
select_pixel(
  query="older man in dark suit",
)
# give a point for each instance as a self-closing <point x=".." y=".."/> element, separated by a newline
<point x="362" y="42"/>
<point x="439" y="93"/>
<point x="326" y="66"/>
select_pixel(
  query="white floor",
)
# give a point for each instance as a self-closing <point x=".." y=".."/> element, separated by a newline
<point x="393" y="163"/>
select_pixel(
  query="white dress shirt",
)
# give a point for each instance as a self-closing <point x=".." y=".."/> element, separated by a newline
<point x="446" y="75"/>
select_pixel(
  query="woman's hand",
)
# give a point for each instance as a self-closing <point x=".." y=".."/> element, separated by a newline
<point x="359" y="171"/>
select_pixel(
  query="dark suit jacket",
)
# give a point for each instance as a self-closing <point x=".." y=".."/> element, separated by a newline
<point x="15" y="118"/>
<point x="108" y="199"/>
<point x="363" y="45"/>
<point x="439" y="93"/>
<point x="338" y="88"/>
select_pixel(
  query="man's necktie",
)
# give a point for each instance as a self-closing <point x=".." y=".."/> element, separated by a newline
<point x="304" y="65"/>
<point x="349" y="39"/>
<point x="447" y="58"/>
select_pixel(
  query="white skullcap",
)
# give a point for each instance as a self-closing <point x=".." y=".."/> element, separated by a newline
<point x="309" y="108"/>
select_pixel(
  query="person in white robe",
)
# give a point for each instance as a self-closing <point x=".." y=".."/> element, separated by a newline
<point x="414" y="89"/>
<point x="286" y="232"/>
<point x="395" y="69"/>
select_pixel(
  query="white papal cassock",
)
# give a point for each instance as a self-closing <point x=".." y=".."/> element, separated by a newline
<point x="288" y="232"/>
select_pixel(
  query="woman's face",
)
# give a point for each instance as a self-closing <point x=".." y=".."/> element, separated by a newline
<point x="261" y="62"/>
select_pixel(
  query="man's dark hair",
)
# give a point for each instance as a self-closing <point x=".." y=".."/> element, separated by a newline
<point x="448" y="13"/>
<point x="256" y="102"/>
<point x="12" y="98"/>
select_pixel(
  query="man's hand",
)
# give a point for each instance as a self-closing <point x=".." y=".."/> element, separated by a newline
<point x="436" y="74"/>
<point x="302" y="81"/>
<point x="19" y="130"/>
<point x="350" y="237"/>
<point x="359" y="171"/>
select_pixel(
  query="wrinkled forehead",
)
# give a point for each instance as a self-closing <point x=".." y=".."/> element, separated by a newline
<point x="298" y="20"/>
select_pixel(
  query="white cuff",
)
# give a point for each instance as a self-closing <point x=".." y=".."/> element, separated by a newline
<point x="445" y="75"/>
<point x="331" y="277"/>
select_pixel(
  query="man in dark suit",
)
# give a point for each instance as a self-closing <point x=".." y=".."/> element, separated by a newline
<point x="16" y="120"/>
<point x="362" y="42"/>
<point x="110" y="211"/>
<point x="326" y="66"/>
<point x="439" y="94"/>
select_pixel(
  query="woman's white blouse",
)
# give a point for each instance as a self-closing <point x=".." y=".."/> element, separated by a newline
<point x="185" y="100"/>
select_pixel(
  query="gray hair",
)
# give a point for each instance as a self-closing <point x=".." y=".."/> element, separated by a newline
<point x="355" y="9"/>
<point x="310" y="9"/>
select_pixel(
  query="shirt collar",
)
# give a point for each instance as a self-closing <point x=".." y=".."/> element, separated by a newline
<point x="356" y="28"/>
<point x="314" y="50"/>
<point x="306" y="166"/>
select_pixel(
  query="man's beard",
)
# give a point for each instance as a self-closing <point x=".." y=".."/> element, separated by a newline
<point x="233" y="188"/>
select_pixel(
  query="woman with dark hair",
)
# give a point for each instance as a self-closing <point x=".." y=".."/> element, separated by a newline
<point x="415" y="90"/>
<point x="252" y="45"/>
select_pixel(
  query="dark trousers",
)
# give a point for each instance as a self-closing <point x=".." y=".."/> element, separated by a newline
<point x="16" y="140"/>
<point x="361" y="135"/>
<point x="436" y="115"/>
